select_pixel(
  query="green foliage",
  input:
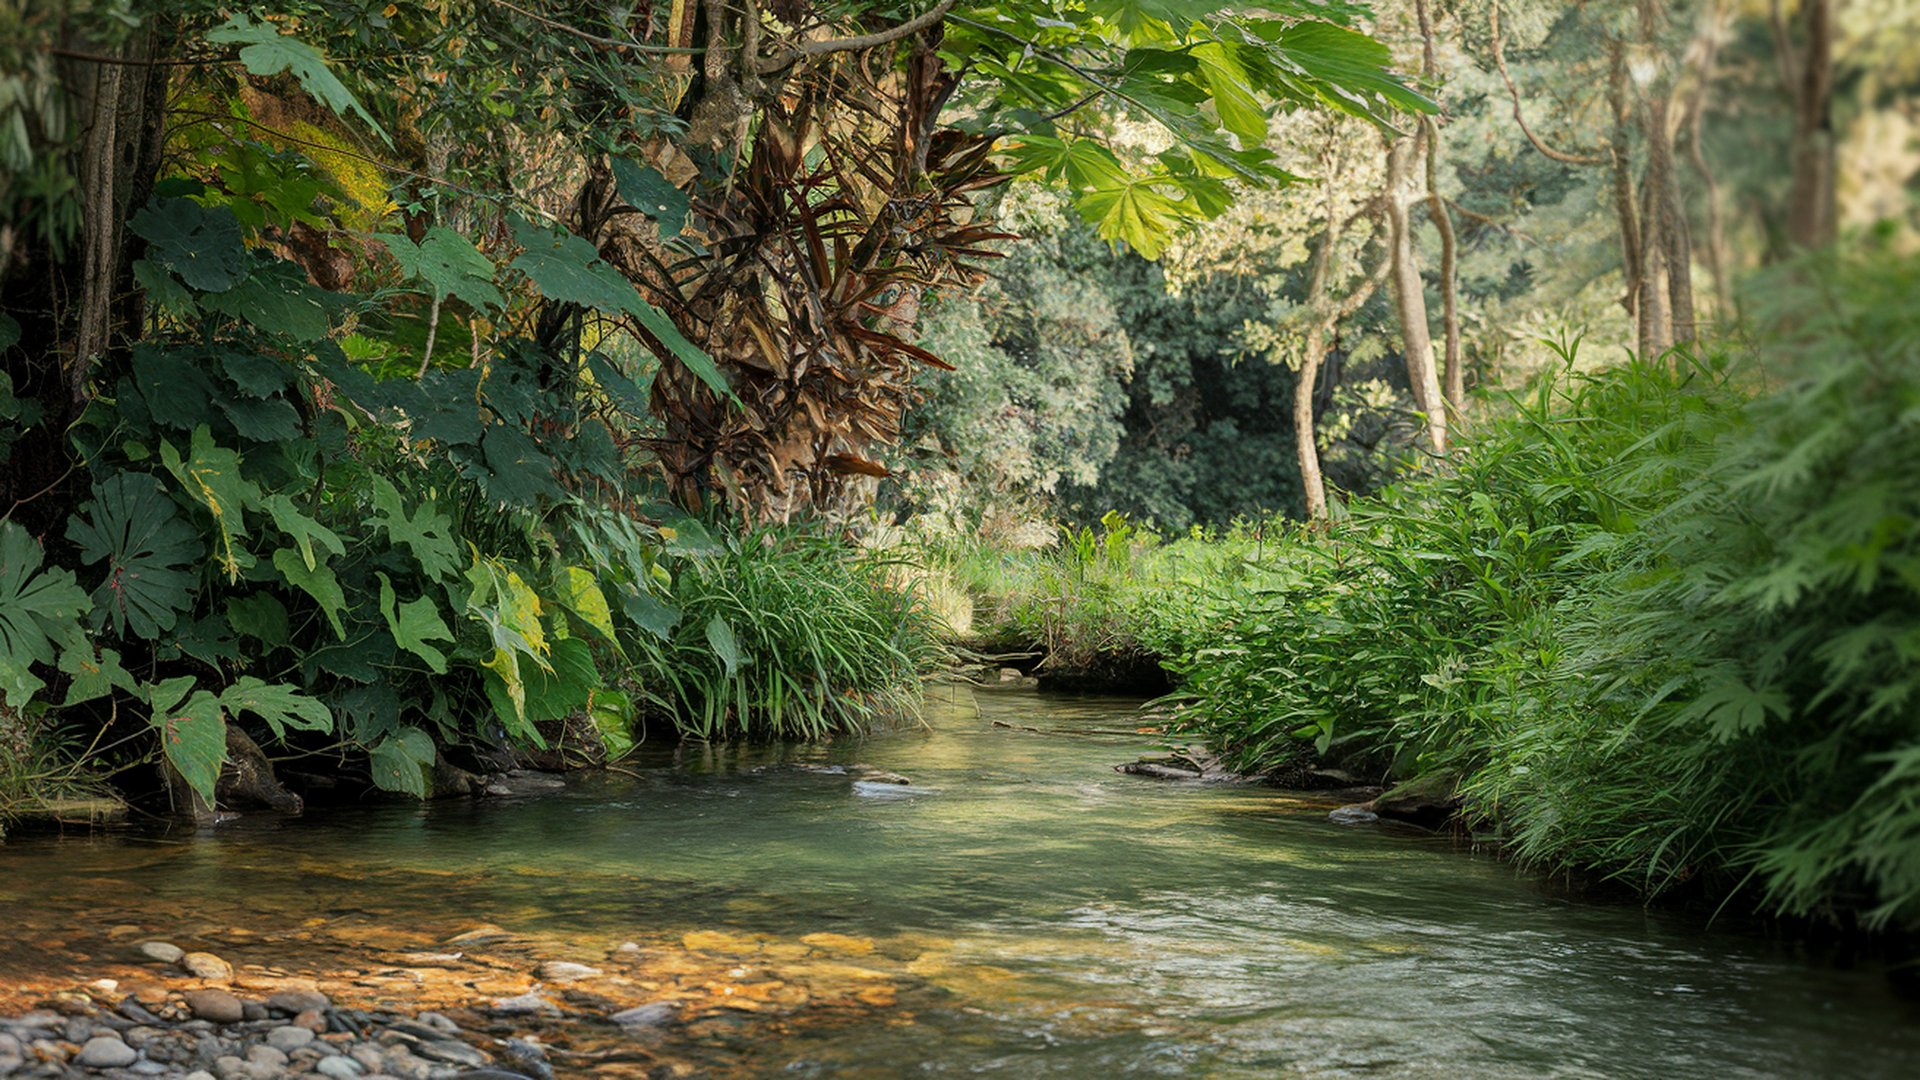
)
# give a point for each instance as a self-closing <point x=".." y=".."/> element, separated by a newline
<point x="151" y="555"/>
<point x="1659" y="627"/>
<point x="783" y="633"/>
<point x="39" y="609"/>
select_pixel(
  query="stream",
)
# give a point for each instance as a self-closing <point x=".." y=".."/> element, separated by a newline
<point x="1018" y="909"/>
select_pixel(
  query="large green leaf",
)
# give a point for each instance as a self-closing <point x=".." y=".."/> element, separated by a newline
<point x="427" y="533"/>
<point x="1134" y="212"/>
<point x="1232" y="92"/>
<point x="449" y="264"/>
<point x="612" y="714"/>
<point x="518" y="472"/>
<point x="721" y="640"/>
<point x="266" y="51"/>
<point x="566" y="268"/>
<point x="37" y="610"/>
<point x="212" y="478"/>
<point x="200" y="244"/>
<point x="278" y="299"/>
<point x="149" y="551"/>
<point x="305" y="531"/>
<point x="579" y="592"/>
<point x="415" y="625"/>
<point x="93" y="674"/>
<point x="193" y="735"/>
<point x="261" y="617"/>
<point x="403" y="761"/>
<point x="280" y="705"/>
<point x="271" y="420"/>
<point x="653" y="195"/>
<point x="553" y="692"/>
<point x="316" y="581"/>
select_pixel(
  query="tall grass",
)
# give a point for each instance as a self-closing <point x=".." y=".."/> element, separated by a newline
<point x="790" y="634"/>
<point x="1661" y="623"/>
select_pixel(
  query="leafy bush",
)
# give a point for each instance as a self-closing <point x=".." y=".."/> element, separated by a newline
<point x="1658" y="623"/>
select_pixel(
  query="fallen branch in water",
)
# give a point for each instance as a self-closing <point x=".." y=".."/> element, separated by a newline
<point x="1080" y="731"/>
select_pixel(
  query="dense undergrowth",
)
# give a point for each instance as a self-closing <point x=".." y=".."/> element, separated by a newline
<point x="1659" y="623"/>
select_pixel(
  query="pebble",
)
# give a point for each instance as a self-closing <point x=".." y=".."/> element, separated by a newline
<point x="566" y="971"/>
<point x="269" y="1056"/>
<point x="339" y="1068"/>
<point x="206" y="966"/>
<point x="216" y="1005"/>
<point x="313" y="1020"/>
<point x="106" y="1052"/>
<point x="524" y="1005"/>
<point x="453" y="1053"/>
<point x="290" y="1038"/>
<point x="163" y="951"/>
<point x="294" y="1002"/>
<point x="649" y="1015"/>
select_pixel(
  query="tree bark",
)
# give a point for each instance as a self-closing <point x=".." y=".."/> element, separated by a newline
<point x="1409" y="292"/>
<point x="1810" y="200"/>
<point x="1454" y="377"/>
<point x="1715" y="248"/>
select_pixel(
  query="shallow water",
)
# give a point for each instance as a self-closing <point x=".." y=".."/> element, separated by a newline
<point x="1019" y="909"/>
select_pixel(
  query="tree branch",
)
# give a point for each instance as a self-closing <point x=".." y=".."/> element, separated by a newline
<point x="1500" y="61"/>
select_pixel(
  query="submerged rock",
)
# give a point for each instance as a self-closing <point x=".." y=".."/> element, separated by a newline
<point x="1193" y="763"/>
<point x="163" y="951"/>
<point x="566" y="971"/>
<point x="206" y="966"/>
<point x="527" y="1004"/>
<point x="652" y="1014"/>
<point x="1357" y="814"/>
<point x="1429" y="799"/>
<point x="524" y="782"/>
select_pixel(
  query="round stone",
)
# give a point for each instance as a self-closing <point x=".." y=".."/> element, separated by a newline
<point x="163" y="951"/>
<point x="216" y="1005"/>
<point x="106" y="1052"/>
<point x="206" y="966"/>
<point x="294" y="1002"/>
<point x="290" y="1038"/>
<point x="339" y="1068"/>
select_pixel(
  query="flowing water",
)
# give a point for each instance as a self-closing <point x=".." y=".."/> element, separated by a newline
<point x="1020" y="909"/>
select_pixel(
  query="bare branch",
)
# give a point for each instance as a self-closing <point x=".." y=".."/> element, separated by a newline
<point x="1519" y="117"/>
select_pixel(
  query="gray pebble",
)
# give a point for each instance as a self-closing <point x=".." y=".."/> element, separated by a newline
<point x="650" y="1015"/>
<point x="106" y="1052"/>
<point x="453" y="1053"/>
<point x="266" y="1055"/>
<point x="294" y="1002"/>
<point x="339" y="1068"/>
<point x="164" y="951"/>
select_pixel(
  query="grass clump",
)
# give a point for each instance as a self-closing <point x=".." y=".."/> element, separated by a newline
<point x="786" y="633"/>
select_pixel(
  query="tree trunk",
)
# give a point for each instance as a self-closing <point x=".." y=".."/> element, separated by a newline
<point x="1715" y="250"/>
<point x="1305" y="433"/>
<point x="1455" y="377"/>
<point x="1809" y="78"/>
<point x="1409" y="293"/>
<point x="78" y="308"/>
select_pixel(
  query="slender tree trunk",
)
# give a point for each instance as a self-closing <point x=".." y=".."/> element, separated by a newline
<point x="1409" y="293"/>
<point x="1454" y="377"/>
<point x="1620" y="151"/>
<point x="1715" y="249"/>
<point x="1809" y="83"/>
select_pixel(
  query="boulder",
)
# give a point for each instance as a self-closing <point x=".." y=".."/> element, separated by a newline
<point x="1427" y="800"/>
